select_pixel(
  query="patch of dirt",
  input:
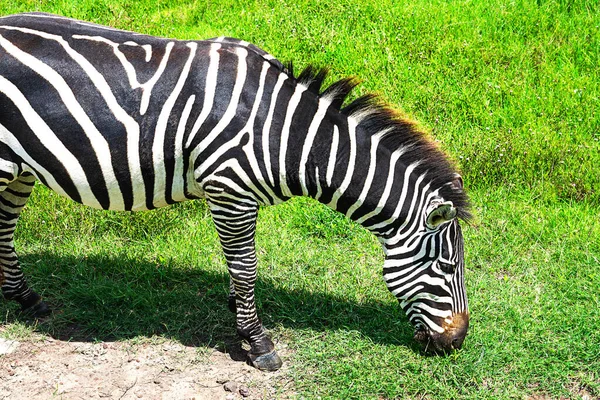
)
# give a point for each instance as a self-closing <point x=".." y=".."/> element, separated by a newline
<point x="580" y="391"/>
<point x="576" y="393"/>
<point x="45" y="368"/>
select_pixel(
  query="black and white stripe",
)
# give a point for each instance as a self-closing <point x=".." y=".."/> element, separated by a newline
<point x="122" y="121"/>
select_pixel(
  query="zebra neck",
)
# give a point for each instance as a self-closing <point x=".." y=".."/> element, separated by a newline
<point x="351" y="171"/>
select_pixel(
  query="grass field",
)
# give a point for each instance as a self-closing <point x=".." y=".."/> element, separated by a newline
<point x="511" y="90"/>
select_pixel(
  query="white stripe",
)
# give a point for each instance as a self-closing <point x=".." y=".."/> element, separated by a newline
<point x="339" y="192"/>
<point x="386" y="192"/>
<point x="432" y="325"/>
<point x="285" y="133"/>
<point x="218" y="193"/>
<point x="370" y="174"/>
<point x="234" y="187"/>
<point x="178" y="189"/>
<point x="407" y="297"/>
<point x="318" y="180"/>
<point x="10" y="168"/>
<point x="416" y="266"/>
<point x="426" y="296"/>
<point x="242" y="174"/>
<point x="266" y="134"/>
<point x="213" y="157"/>
<point x="51" y="142"/>
<point x="209" y="91"/>
<point x="332" y="154"/>
<point x="400" y="205"/>
<point x="226" y="118"/>
<point x="98" y="142"/>
<point x="418" y="306"/>
<point x="148" y="86"/>
<point x="131" y="126"/>
<point x="308" y="142"/>
<point x="404" y="232"/>
<point x="249" y="147"/>
<point x="158" y="146"/>
<point x="428" y="280"/>
<point x="36" y="169"/>
<point x="433" y="245"/>
<point x="147" y="49"/>
<point x="361" y="114"/>
<point x="402" y="262"/>
<point x="130" y="70"/>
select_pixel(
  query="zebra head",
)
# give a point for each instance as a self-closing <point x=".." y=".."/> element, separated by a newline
<point x="424" y="269"/>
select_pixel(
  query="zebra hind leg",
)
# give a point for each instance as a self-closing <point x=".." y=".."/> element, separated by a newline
<point x="14" y="285"/>
<point x="236" y="225"/>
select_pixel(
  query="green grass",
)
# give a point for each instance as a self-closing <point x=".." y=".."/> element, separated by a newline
<point x="510" y="89"/>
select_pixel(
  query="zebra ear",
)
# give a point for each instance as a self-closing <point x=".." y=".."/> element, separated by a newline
<point x="440" y="213"/>
<point x="457" y="182"/>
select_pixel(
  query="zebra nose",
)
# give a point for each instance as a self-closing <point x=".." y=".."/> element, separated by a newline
<point x="457" y="330"/>
<point x="457" y="340"/>
<point x="451" y="339"/>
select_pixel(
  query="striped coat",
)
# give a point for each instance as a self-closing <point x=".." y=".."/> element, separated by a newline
<point x="122" y="121"/>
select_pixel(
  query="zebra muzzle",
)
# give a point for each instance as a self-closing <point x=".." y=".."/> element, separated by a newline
<point x="450" y="339"/>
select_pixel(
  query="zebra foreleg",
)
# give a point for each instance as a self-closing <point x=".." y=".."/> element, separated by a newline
<point x="235" y="223"/>
<point x="14" y="285"/>
<point x="231" y="299"/>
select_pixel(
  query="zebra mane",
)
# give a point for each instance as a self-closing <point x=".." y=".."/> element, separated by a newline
<point x="372" y="113"/>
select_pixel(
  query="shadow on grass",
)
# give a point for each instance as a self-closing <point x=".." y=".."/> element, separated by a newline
<point x="103" y="298"/>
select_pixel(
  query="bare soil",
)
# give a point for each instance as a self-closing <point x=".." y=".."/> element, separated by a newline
<point x="46" y="368"/>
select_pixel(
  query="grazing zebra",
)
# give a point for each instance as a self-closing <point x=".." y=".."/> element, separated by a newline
<point x="122" y="121"/>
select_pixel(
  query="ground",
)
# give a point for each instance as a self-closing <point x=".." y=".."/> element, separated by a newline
<point x="45" y="368"/>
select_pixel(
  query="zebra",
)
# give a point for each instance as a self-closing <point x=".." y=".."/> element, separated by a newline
<point x="118" y="120"/>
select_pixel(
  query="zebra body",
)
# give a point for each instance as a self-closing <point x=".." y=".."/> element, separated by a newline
<point x="122" y="121"/>
<point x="130" y="105"/>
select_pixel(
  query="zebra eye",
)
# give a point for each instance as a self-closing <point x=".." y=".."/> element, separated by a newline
<point x="447" y="268"/>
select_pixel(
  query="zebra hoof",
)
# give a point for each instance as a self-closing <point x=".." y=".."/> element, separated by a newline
<point x="37" y="310"/>
<point x="266" y="362"/>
